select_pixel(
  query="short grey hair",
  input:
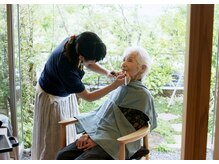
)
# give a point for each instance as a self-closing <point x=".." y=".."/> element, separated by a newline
<point x="142" y="57"/>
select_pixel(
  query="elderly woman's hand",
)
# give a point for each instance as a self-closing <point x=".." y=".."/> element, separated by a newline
<point x="88" y="144"/>
<point x="82" y="141"/>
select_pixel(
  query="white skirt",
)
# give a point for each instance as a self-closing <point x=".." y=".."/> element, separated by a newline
<point x="49" y="110"/>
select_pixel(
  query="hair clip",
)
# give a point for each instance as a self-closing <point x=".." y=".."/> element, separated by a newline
<point x="71" y="39"/>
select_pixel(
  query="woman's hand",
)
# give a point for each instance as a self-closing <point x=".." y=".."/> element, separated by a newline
<point x="85" y="143"/>
<point x="82" y="141"/>
<point x="89" y="145"/>
<point x="112" y="74"/>
<point x="122" y="79"/>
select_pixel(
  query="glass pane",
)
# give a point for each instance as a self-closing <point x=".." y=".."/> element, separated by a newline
<point x="4" y="75"/>
<point x="17" y="73"/>
<point x="214" y="83"/>
<point x="119" y="26"/>
<point x="5" y="99"/>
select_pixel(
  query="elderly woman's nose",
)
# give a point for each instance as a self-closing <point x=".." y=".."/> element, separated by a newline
<point x="123" y="65"/>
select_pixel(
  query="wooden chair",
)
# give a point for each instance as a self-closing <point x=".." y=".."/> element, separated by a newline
<point x="139" y="134"/>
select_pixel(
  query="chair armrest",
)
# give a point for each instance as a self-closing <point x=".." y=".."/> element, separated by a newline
<point x="131" y="138"/>
<point x="134" y="136"/>
<point x="67" y="122"/>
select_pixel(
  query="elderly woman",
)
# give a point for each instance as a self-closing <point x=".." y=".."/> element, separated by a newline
<point x="127" y="109"/>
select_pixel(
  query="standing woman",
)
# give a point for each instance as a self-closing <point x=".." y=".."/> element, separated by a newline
<point x="58" y="85"/>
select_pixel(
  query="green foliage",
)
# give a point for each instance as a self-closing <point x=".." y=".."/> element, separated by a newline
<point x="163" y="148"/>
<point x="85" y="106"/>
<point x="28" y="70"/>
<point x="211" y="117"/>
<point x="159" y="76"/>
<point x="28" y="132"/>
<point x="176" y="33"/>
<point x="4" y="77"/>
<point x="165" y="130"/>
<point x="162" y="105"/>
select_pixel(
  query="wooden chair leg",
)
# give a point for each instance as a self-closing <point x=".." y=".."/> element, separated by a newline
<point x="145" y="142"/>
<point x="15" y="152"/>
<point x="63" y="124"/>
<point x="122" y="151"/>
<point x="63" y="136"/>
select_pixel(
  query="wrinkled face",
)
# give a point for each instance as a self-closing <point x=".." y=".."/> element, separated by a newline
<point x="131" y="66"/>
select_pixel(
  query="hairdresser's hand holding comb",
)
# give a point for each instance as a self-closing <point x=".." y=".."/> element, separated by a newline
<point x="122" y="79"/>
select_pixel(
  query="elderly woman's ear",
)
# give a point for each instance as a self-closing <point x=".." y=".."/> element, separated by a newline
<point x="143" y="68"/>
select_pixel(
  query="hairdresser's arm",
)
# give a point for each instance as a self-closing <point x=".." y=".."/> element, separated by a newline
<point x="98" y="69"/>
<point x="97" y="94"/>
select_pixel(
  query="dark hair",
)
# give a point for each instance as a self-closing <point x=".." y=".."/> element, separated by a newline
<point x="70" y="51"/>
<point x="87" y="44"/>
<point x="90" y="46"/>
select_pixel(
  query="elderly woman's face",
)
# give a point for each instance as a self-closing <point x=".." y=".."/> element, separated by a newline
<point x="131" y="66"/>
